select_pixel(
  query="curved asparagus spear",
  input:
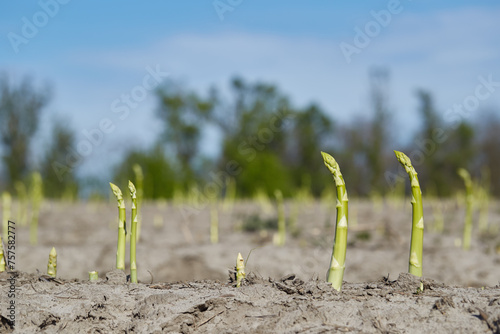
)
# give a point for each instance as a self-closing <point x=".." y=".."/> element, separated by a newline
<point x="417" y="230"/>
<point x="122" y="231"/>
<point x="133" y="233"/>
<point x="337" y="264"/>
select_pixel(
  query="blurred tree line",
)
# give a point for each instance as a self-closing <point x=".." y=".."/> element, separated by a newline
<point x="265" y="143"/>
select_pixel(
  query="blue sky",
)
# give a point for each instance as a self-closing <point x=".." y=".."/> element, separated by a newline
<point x="91" y="53"/>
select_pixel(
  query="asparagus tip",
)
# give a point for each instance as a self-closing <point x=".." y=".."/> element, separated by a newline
<point x="131" y="187"/>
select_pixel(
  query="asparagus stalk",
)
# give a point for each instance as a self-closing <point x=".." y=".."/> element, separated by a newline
<point x="279" y="239"/>
<point x="37" y="197"/>
<point x="337" y="264"/>
<point x="52" y="265"/>
<point x="214" y="224"/>
<point x="139" y="181"/>
<point x="240" y="270"/>
<point x="464" y="174"/>
<point x="6" y="204"/>
<point x="417" y="230"/>
<point x="22" y="205"/>
<point x="122" y="230"/>
<point x="230" y="194"/>
<point x="133" y="235"/>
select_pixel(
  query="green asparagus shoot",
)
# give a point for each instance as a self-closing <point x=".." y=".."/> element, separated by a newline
<point x="52" y="265"/>
<point x="133" y="235"/>
<point x="464" y="174"/>
<point x="279" y="239"/>
<point x="2" y="257"/>
<point x="230" y="194"/>
<point x="37" y="197"/>
<point x="337" y="264"/>
<point x="139" y="181"/>
<point x="122" y="231"/>
<point x="93" y="276"/>
<point x="417" y="231"/>
<point x="22" y="205"/>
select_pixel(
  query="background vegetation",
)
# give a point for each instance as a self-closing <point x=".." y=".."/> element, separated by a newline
<point x="267" y="143"/>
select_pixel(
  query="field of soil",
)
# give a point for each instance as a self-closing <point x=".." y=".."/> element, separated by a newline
<point x="184" y="284"/>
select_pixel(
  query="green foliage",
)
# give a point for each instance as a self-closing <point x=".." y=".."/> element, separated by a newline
<point x="160" y="175"/>
<point x="255" y="223"/>
<point x="363" y="235"/>
<point x="183" y="115"/>
<point x="311" y="128"/>
<point x="58" y="185"/>
<point x="20" y="109"/>
<point x="270" y="143"/>
<point x="265" y="172"/>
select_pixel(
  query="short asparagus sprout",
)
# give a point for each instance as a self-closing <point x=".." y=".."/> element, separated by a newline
<point x="240" y="270"/>
<point x="2" y="257"/>
<point x="337" y="265"/>
<point x="417" y="231"/>
<point x="6" y="204"/>
<point x="464" y="174"/>
<point x="214" y="224"/>
<point x="133" y="233"/>
<point x="37" y="197"/>
<point x="52" y="265"/>
<point x="93" y="276"/>
<point x="280" y="238"/>
<point x="122" y="231"/>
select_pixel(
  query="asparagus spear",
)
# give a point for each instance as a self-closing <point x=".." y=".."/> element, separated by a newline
<point x="52" y="265"/>
<point x="240" y="270"/>
<point x="417" y="230"/>
<point x="464" y="174"/>
<point x="337" y="264"/>
<point x="122" y="230"/>
<point x="281" y="236"/>
<point x="37" y="197"/>
<point x="139" y="181"/>
<point x="2" y="258"/>
<point x="133" y="235"/>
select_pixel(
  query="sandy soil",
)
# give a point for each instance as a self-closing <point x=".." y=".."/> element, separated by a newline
<point x="184" y="285"/>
